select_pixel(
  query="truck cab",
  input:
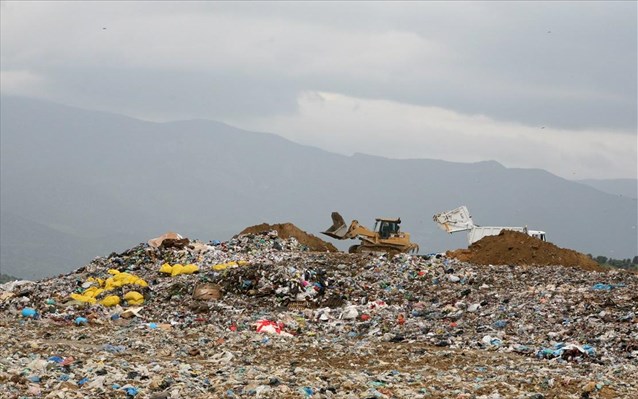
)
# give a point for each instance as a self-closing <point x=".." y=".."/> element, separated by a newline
<point x="537" y="234"/>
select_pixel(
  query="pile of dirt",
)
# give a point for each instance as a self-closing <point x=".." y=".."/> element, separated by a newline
<point x="516" y="248"/>
<point x="287" y="230"/>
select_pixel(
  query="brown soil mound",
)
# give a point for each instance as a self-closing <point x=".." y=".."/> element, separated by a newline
<point x="287" y="230"/>
<point x="513" y="247"/>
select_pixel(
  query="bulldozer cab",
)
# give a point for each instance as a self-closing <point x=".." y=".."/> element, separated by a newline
<point x="386" y="228"/>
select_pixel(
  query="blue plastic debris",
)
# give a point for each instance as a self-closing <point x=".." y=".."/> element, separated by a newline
<point x="56" y="359"/>
<point x="500" y="323"/>
<point x="130" y="391"/>
<point x="29" y="312"/>
<point x="589" y="350"/>
<point x="81" y="321"/>
<point x="545" y="353"/>
<point x="602" y="287"/>
<point x="560" y="348"/>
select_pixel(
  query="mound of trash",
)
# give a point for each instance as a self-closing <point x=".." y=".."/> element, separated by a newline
<point x="516" y="248"/>
<point x="287" y="230"/>
<point x="260" y="316"/>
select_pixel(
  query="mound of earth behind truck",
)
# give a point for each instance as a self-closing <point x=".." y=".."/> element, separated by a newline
<point x="385" y="237"/>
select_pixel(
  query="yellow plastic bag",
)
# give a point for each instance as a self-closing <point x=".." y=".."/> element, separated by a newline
<point x="93" y="292"/>
<point x="177" y="270"/>
<point x="110" y="300"/>
<point x="122" y="279"/>
<point x="140" y="282"/>
<point x="99" y="281"/>
<point x="190" y="269"/>
<point x="166" y="268"/>
<point x="110" y="284"/>
<point x="134" y="298"/>
<point x="83" y="298"/>
<point x="220" y="267"/>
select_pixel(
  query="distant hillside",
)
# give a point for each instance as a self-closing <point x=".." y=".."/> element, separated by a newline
<point x="621" y="187"/>
<point x="78" y="184"/>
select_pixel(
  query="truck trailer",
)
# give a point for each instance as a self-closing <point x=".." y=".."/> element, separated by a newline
<point x="459" y="219"/>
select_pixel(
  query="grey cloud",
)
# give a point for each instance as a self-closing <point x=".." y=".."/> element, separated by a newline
<point x="172" y="94"/>
<point x="513" y="58"/>
<point x="567" y="65"/>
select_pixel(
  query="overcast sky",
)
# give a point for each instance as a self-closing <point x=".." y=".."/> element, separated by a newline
<point x="532" y="85"/>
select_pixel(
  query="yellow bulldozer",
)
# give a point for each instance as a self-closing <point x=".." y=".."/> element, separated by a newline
<point x="385" y="237"/>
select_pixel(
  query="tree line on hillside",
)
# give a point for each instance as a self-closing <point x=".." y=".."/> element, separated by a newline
<point x="5" y="278"/>
<point x="628" y="264"/>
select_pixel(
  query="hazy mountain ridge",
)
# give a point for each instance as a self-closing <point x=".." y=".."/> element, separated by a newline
<point x="110" y="182"/>
<point x="621" y="187"/>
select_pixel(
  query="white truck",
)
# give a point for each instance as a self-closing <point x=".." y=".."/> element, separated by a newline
<point x="459" y="219"/>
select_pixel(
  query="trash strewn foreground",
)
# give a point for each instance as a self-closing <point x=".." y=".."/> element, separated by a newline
<point x="261" y="317"/>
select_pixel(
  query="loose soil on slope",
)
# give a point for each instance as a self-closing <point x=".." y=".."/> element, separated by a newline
<point x="287" y="230"/>
<point x="513" y="247"/>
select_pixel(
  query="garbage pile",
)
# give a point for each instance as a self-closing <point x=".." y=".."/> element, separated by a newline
<point x="516" y="248"/>
<point x="260" y="316"/>
<point x="289" y="230"/>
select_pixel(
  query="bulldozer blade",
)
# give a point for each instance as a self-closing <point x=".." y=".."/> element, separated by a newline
<point x="338" y="229"/>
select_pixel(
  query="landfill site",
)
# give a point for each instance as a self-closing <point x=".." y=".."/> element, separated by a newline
<point x="276" y="312"/>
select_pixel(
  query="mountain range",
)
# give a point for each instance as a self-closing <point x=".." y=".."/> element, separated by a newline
<point x="77" y="184"/>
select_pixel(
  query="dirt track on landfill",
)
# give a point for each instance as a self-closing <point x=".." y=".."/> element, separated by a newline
<point x="429" y="361"/>
<point x="512" y="247"/>
<point x="287" y="230"/>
